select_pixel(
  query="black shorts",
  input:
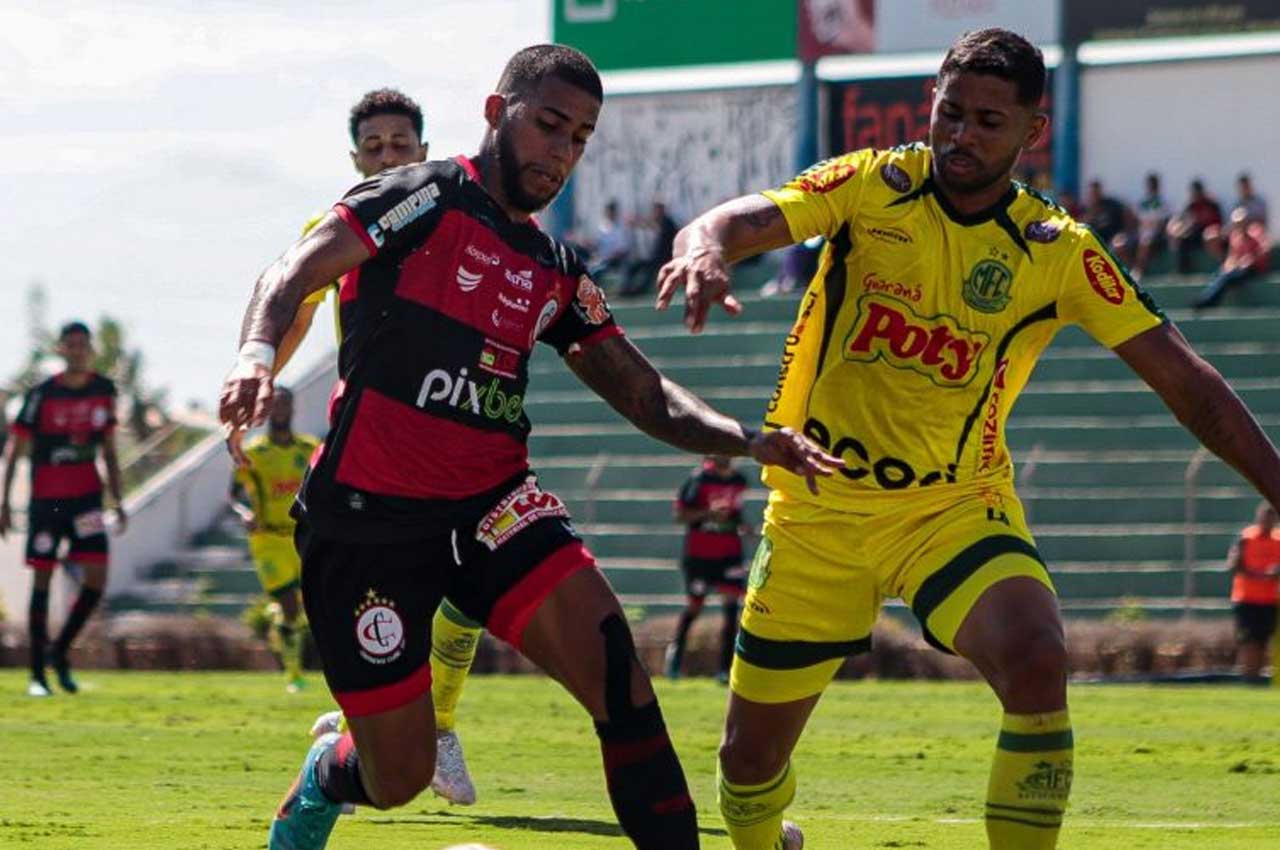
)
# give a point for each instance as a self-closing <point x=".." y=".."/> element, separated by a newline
<point x="1254" y="623"/>
<point x="725" y="575"/>
<point x="370" y="605"/>
<point x="78" y="520"/>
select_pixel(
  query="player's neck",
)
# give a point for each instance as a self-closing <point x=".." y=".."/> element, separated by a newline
<point x="280" y="436"/>
<point x="75" y="379"/>
<point x="972" y="203"/>
<point x="486" y="163"/>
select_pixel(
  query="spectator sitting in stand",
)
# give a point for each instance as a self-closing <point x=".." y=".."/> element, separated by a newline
<point x="642" y="271"/>
<point x="1187" y="228"/>
<point x="1109" y="218"/>
<point x="1250" y="203"/>
<point x="612" y="243"/>
<point x="1153" y="216"/>
<point x="1247" y="257"/>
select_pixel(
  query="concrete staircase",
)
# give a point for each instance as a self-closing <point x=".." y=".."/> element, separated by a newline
<point x="1101" y="462"/>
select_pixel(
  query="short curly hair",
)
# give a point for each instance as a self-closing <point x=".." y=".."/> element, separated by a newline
<point x="384" y="102"/>
<point x="529" y="66"/>
<point x="1001" y="53"/>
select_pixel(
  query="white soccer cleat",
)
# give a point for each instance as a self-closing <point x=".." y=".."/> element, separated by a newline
<point x="451" y="780"/>
<point x="38" y="689"/>
<point x="792" y="837"/>
<point x="330" y="721"/>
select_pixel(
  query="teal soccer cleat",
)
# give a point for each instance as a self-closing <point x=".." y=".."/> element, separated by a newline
<point x="306" y="817"/>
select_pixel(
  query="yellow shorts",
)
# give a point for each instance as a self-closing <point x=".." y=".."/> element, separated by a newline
<point x="820" y="576"/>
<point x="276" y="560"/>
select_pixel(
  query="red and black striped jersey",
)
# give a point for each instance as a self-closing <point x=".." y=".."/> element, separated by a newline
<point x="707" y="490"/>
<point x="427" y="420"/>
<point x="66" y="425"/>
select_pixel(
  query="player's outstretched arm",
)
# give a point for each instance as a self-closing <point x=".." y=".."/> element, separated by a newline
<point x="19" y="445"/>
<point x="294" y="335"/>
<point x="326" y="253"/>
<point x="617" y="372"/>
<point x="706" y="247"/>
<point x="1203" y="402"/>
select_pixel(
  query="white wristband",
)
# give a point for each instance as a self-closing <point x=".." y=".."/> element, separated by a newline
<point x="257" y="351"/>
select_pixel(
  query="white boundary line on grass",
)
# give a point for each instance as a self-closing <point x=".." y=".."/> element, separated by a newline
<point x="1070" y="822"/>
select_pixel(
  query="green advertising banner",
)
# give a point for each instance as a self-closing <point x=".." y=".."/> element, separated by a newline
<point x="624" y="34"/>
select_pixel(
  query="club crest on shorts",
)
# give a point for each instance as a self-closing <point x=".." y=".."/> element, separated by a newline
<point x="517" y="510"/>
<point x="42" y="543"/>
<point x="379" y="629"/>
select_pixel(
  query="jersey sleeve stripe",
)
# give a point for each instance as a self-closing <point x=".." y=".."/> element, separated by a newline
<point x="600" y="336"/>
<point x="344" y="212"/>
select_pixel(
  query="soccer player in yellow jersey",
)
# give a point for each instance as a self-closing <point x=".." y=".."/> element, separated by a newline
<point x="942" y="282"/>
<point x="262" y="493"/>
<point x="386" y="129"/>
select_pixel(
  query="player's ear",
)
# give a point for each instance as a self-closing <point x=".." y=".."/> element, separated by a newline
<point x="1038" y="132"/>
<point x="495" y="105"/>
<point x="355" y="163"/>
<point x="422" y="152"/>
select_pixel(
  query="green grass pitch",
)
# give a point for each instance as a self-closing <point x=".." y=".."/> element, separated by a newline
<point x="198" y="761"/>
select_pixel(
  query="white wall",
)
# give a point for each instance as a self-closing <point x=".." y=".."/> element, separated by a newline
<point x="1209" y="118"/>
<point x="691" y="150"/>
<point x="183" y="499"/>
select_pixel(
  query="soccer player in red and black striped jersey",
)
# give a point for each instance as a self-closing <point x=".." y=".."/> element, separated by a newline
<point x="423" y="486"/>
<point x="63" y="423"/>
<point x="710" y="505"/>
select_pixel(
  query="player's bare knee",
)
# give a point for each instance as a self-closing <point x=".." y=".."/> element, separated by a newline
<point x="1033" y="663"/>
<point x="748" y="759"/>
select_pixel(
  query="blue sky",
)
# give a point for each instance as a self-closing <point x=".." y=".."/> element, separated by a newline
<point x="156" y="156"/>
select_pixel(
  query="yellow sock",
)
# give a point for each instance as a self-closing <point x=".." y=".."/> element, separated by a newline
<point x="454" y="639"/>
<point x="291" y="650"/>
<point x="753" y="813"/>
<point x="1030" y="781"/>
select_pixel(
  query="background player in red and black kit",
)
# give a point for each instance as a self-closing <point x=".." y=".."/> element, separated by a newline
<point x="62" y="423"/>
<point x="423" y="488"/>
<point x="710" y="504"/>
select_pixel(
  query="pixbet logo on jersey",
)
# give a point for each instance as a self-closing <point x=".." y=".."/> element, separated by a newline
<point x="934" y="346"/>
<point x="488" y="400"/>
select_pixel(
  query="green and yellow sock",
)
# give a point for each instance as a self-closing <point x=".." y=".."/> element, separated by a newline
<point x="1030" y="781"/>
<point x="753" y="813"/>
<point x="291" y="651"/>
<point x="454" y="638"/>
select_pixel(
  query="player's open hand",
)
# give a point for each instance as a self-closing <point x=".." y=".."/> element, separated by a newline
<point x="703" y="274"/>
<point x="795" y="453"/>
<point x="122" y="520"/>
<point x="246" y="396"/>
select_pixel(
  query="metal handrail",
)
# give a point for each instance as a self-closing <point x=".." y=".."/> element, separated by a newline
<point x="592" y="484"/>
<point x="1026" y="474"/>
<point x="1191" y="482"/>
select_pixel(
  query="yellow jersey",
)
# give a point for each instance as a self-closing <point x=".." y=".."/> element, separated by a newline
<point x="273" y="477"/>
<point x="922" y="325"/>
<point x="317" y="297"/>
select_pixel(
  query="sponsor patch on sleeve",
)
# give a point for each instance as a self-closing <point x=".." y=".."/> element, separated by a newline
<point x="1103" y="277"/>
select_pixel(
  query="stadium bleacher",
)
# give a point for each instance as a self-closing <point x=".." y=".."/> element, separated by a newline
<point x="1101" y="463"/>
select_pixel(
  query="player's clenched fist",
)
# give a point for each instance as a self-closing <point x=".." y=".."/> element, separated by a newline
<point x="795" y="453"/>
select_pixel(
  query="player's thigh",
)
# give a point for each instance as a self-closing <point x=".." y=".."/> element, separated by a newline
<point x="370" y="609"/>
<point x="580" y="636"/>
<point x="46" y="528"/>
<point x="809" y="604"/>
<point x="524" y="573"/>
<point x="968" y="548"/>
<point x="87" y="545"/>
<point x="276" y="561"/>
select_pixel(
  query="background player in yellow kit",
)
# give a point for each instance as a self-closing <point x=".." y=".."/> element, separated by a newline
<point x="386" y="129"/>
<point x="262" y="493"/>
<point x="942" y="282"/>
